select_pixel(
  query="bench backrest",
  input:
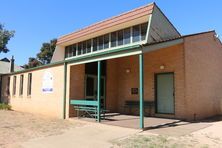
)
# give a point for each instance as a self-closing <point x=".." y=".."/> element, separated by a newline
<point x="137" y="103"/>
<point x="84" y="103"/>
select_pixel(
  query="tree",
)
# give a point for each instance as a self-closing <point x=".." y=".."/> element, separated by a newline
<point x="44" y="56"/>
<point x="5" y="36"/>
<point x="33" y="62"/>
<point x="46" y="52"/>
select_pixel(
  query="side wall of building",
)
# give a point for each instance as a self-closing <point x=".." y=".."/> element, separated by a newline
<point x="39" y="102"/>
<point x="203" y="59"/>
<point x="173" y="60"/>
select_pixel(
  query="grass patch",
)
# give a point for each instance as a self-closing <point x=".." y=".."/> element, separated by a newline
<point x="155" y="141"/>
<point x="4" y="106"/>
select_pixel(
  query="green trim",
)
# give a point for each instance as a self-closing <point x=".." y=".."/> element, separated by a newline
<point x="106" y="52"/>
<point x="36" y="68"/>
<point x="83" y="102"/>
<point x="141" y="93"/>
<point x="98" y="90"/>
<point x="93" y="55"/>
<point x="64" y="97"/>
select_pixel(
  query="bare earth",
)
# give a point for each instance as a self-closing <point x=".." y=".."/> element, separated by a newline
<point x="16" y="127"/>
<point x="32" y="131"/>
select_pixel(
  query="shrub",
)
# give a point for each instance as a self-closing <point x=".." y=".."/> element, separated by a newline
<point x="4" y="106"/>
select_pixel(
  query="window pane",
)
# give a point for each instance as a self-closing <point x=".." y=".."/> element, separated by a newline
<point x="70" y="51"/>
<point x="88" y="46"/>
<point x="100" y="42"/>
<point x="143" y="31"/>
<point x="113" y="39"/>
<point x="29" y="84"/>
<point x="8" y="86"/>
<point x="106" y="41"/>
<point x="14" y="85"/>
<point x="95" y="44"/>
<point x="21" y="85"/>
<point x="66" y="52"/>
<point x="136" y="33"/>
<point x="127" y="36"/>
<point x="84" y="47"/>
<point x="74" y="50"/>
<point x="120" y="37"/>
<point x="79" y="49"/>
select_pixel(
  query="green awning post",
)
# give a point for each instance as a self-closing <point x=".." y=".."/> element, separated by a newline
<point x="64" y="89"/>
<point x="98" y="90"/>
<point x="141" y="91"/>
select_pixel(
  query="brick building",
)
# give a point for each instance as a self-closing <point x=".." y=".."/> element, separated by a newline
<point x="134" y="63"/>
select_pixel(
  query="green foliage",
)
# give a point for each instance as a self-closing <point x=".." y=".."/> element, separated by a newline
<point x="46" y="52"/>
<point x="5" y="36"/>
<point x="4" y="106"/>
<point x="33" y="62"/>
<point x="44" y="56"/>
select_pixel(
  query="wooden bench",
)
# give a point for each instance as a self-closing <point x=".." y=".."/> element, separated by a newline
<point x="130" y="104"/>
<point x="87" y="108"/>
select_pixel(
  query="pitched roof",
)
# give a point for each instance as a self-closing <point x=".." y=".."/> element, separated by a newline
<point x="180" y="37"/>
<point x="5" y="67"/>
<point x="116" y="20"/>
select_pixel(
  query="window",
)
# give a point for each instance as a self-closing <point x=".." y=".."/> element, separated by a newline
<point x="126" y="36"/>
<point x="84" y="47"/>
<point x="74" y="50"/>
<point x="120" y="37"/>
<point x="106" y="41"/>
<point x="143" y="31"/>
<point x="113" y="39"/>
<point x="95" y="44"/>
<point x="88" y="46"/>
<point x="79" y="52"/>
<point x="136" y="33"/>
<point x="21" y="85"/>
<point x="100" y="42"/>
<point x="14" y="85"/>
<point x="66" y="52"/>
<point x="8" y="86"/>
<point x="29" y="89"/>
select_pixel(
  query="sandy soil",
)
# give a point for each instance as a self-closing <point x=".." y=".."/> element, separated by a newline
<point x="28" y="130"/>
<point x="16" y="127"/>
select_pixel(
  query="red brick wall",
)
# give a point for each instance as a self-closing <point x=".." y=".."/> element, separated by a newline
<point x="203" y="56"/>
<point x="77" y="77"/>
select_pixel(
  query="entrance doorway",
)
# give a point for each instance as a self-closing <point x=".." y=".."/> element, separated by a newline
<point x="91" y="82"/>
<point x="91" y="89"/>
<point x="165" y="93"/>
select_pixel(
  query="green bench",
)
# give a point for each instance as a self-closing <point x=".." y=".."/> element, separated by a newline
<point x="130" y="104"/>
<point x="87" y="108"/>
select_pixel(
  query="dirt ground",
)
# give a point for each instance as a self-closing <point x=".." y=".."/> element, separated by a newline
<point x="16" y="127"/>
<point x="19" y="129"/>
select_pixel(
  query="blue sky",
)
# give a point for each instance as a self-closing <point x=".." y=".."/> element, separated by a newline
<point x="39" y="21"/>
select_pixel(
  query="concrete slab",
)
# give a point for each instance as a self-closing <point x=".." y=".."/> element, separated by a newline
<point x="92" y="135"/>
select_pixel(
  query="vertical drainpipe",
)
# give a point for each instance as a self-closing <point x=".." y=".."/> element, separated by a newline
<point x="64" y="97"/>
<point x="141" y="89"/>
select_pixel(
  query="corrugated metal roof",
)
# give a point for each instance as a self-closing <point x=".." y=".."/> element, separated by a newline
<point x="183" y="36"/>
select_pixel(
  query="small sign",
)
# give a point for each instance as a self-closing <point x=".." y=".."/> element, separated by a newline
<point x="47" y="82"/>
<point x="134" y="91"/>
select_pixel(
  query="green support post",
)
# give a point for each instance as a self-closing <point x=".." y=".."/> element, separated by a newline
<point x="141" y="91"/>
<point x="64" y="89"/>
<point x="98" y="91"/>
